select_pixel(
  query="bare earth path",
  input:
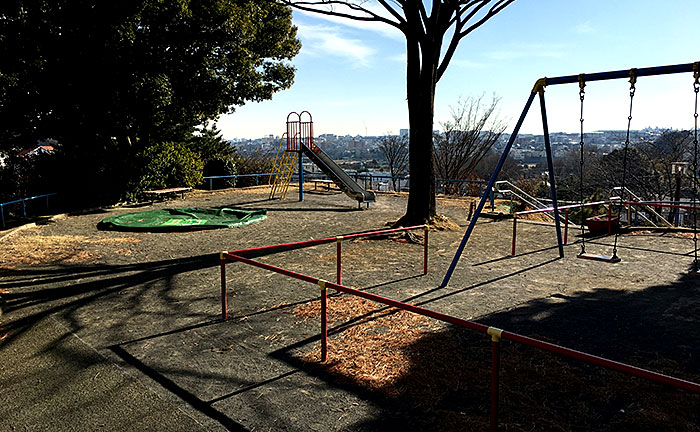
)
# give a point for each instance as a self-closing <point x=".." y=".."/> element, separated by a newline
<point x="122" y="331"/>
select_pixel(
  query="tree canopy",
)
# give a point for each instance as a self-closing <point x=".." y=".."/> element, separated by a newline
<point x="107" y="78"/>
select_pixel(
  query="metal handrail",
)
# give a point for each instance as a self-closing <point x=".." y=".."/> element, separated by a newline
<point x="24" y="206"/>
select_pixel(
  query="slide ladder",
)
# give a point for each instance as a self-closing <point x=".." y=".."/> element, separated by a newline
<point x="282" y="171"/>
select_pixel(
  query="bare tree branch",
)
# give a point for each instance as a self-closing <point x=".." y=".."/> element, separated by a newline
<point x="467" y="138"/>
<point x="313" y="6"/>
<point x="462" y="17"/>
<point x="395" y="150"/>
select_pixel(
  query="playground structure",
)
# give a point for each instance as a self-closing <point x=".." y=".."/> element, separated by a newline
<point x="496" y="335"/>
<point x="582" y="79"/>
<point x="300" y="140"/>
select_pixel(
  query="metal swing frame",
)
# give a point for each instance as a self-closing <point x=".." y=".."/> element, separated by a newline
<point x="538" y="90"/>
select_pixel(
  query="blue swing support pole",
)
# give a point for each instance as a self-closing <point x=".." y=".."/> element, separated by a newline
<point x="487" y="190"/>
<point x="539" y="89"/>
<point x="550" y="168"/>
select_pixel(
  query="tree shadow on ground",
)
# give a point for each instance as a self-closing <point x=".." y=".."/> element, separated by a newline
<point x="38" y="292"/>
<point x="446" y="383"/>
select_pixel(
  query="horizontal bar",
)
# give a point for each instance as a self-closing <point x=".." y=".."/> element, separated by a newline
<point x="653" y="204"/>
<point x="28" y="199"/>
<point x="637" y="203"/>
<point x="237" y="175"/>
<point x="308" y="243"/>
<point x="557" y="349"/>
<point x="625" y="73"/>
<point x="461" y="181"/>
<point x="548" y="209"/>
<point x="603" y="362"/>
<point x="369" y="296"/>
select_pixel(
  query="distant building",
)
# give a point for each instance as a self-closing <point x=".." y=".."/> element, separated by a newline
<point x="403" y="132"/>
<point x="38" y="149"/>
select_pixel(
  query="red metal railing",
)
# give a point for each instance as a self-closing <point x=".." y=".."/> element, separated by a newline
<point x="566" y="209"/>
<point x="308" y="243"/>
<point x="496" y="334"/>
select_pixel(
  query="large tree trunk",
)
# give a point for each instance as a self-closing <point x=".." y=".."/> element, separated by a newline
<point x="420" y="90"/>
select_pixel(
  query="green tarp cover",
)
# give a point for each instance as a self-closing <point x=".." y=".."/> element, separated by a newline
<point x="183" y="219"/>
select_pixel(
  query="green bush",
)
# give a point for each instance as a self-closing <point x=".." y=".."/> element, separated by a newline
<point x="220" y="166"/>
<point x="167" y="164"/>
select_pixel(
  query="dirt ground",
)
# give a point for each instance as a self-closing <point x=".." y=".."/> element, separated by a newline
<point x="127" y="324"/>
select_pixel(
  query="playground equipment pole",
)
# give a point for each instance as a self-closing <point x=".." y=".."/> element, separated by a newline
<point x="539" y="84"/>
<point x="301" y="174"/>
<point x="425" y="251"/>
<point x="489" y="189"/>
<point x="495" y="372"/>
<point x="224" y="302"/>
<point x="338" y="255"/>
<point x="324" y="320"/>
<point x="550" y="166"/>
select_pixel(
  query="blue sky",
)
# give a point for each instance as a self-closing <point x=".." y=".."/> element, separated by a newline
<point x="351" y="76"/>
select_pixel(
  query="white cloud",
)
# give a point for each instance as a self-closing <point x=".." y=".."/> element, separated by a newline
<point x="584" y="28"/>
<point x="398" y="58"/>
<point x="467" y="64"/>
<point x="319" y="40"/>
<point x="528" y="51"/>
<point x="381" y="28"/>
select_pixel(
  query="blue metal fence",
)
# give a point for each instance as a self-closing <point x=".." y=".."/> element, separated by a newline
<point x="22" y="201"/>
<point x="236" y="176"/>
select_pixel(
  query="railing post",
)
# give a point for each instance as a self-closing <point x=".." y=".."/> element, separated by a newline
<point x="515" y="222"/>
<point x="495" y="366"/>
<point x="338" y="241"/>
<point x="425" y="250"/>
<point x="224" y="305"/>
<point x="2" y="215"/>
<point x="566" y="225"/>
<point x="324" y="322"/>
<point x="24" y="208"/>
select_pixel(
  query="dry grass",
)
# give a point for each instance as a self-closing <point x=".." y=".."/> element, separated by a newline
<point x="31" y="248"/>
<point x="375" y="352"/>
<point x="444" y="372"/>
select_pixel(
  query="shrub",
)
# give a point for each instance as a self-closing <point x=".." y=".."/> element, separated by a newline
<point x="167" y="164"/>
<point x="220" y="166"/>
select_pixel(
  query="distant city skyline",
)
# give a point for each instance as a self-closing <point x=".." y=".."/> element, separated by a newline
<point x="351" y="76"/>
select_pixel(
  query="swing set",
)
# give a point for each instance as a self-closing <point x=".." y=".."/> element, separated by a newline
<point x="618" y="202"/>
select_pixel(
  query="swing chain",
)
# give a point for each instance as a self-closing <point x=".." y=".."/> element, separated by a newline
<point x="581" y="92"/>
<point x="623" y="189"/>
<point x="696" y="89"/>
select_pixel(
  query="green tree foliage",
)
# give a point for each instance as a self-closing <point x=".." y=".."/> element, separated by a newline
<point x="210" y="144"/>
<point x="220" y="166"/>
<point x="168" y="164"/>
<point x="107" y="79"/>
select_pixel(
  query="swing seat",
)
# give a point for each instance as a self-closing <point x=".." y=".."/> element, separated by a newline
<point x="604" y="258"/>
